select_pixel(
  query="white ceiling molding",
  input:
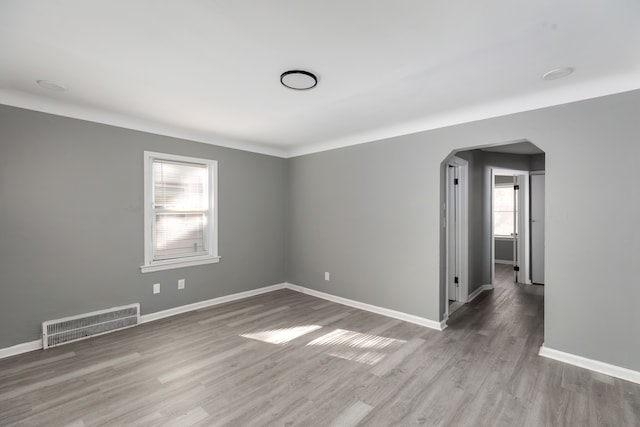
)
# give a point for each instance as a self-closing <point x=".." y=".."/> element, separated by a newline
<point x="594" y="89"/>
<point x="605" y="86"/>
<point x="52" y="106"/>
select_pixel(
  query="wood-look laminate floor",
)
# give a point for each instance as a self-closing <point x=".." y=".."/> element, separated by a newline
<point x="286" y="358"/>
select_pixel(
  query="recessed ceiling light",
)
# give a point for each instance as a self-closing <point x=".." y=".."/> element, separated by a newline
<point x="298" y="80"/>
<point x="558" y="73"/>
<point x="51" y="86"/>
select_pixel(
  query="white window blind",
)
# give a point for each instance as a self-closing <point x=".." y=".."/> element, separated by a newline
<point x="180" y="215"/>
<point x="180" y="204"/>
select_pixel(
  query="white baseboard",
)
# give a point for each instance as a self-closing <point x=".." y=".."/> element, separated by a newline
<point x="478" y="291"/>
<point x="443" y="323"/>
<point x="37" y="345"/>
<point x="592" y="365"/>
<point x="372" y="308"/>
<point x="208" y="303"/>
<point x="25" y="347"/>
<point x="503" y="261"/>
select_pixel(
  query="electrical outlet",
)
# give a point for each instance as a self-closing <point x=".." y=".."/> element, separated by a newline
<point x="181" y="284"/>
<point x="327" y="276"/>
<point x="156" y="288"/>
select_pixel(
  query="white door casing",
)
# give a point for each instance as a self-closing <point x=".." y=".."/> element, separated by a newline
<point x="537" y="227"/>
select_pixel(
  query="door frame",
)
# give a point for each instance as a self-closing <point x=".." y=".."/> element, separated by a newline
<point x="461" y="237"/>
<point x="524" y="245"/>
<point x="532" y="173"/>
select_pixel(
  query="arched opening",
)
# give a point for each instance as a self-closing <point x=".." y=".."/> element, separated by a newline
<point x="492" y="222"/>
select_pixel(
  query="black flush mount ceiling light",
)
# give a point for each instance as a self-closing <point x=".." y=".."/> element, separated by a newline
<point x="298" y="80"/>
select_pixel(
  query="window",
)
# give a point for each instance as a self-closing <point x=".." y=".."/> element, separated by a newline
<point x="504" y="208"/>
<point x="180" y="222"/>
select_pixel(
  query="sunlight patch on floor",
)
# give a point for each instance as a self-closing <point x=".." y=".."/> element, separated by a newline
<point x="356" y="346"/>
<point x="283" y="335"/>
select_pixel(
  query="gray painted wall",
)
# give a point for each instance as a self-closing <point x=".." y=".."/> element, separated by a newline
<point x="504" y="250"/>
<point x="370" y="214"/>
<point x="71" y="236"/>
<point x="358" y="215"/>
<point x="537" y="162"/>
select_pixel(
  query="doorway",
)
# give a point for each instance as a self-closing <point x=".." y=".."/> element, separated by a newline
<point x="456" y="231"/>
<point x="510" y="234"/>
<point x="474" y="264"/>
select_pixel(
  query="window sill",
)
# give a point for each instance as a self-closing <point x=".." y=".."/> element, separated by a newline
<point x="168" y="265"/>
<point x="507" y="238"/>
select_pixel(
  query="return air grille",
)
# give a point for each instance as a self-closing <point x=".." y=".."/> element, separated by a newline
<point x="74" y="328"/>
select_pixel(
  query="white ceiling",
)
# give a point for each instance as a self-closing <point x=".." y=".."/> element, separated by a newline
<point x="209" y="70"/>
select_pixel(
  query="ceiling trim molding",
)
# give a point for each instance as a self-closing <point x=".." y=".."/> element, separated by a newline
<point x="566" y="94"/>
<point x="52" y="106"/>
<point x="563" y="95"/>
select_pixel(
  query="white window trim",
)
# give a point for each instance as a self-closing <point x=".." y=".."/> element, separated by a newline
<point x="212" y="257"/>
<point x="506" y="238"/>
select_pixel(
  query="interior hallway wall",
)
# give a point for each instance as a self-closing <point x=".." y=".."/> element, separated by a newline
<point x="371" y="215"/>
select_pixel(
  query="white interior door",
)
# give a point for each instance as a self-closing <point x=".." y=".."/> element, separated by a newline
<point x="520" y="221"/>
<point x="537" y="228"/>
<point x="516" y="229"/>
<point x="452" y="233"/>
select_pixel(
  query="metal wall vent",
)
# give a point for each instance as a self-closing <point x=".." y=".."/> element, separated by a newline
<point x="74" y="328"/>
